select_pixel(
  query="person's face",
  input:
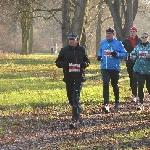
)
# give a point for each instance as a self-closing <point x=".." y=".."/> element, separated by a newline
<point x="73" y="42"/>
<point x="133" y="33"/>
<point x="144" y="38"/>
<point x="109" y="35"/>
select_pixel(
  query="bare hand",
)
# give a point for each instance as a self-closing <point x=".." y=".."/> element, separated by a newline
<point x="147" y="55"/>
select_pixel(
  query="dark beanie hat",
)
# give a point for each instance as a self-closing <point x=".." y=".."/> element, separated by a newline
<point x="72" y="35"/>
<point x="110" y="29"/>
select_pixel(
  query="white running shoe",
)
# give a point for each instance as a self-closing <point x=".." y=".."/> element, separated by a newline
<point x="134" y="99"/>
<point x="139" y="107"/>
<point x="105" y="109"/>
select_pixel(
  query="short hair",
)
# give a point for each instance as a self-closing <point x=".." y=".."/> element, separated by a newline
<point x="145" y="33"/>
<point x="110" y="29"/>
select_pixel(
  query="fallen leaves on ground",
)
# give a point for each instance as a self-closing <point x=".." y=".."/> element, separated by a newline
<point x="47" y="128"/>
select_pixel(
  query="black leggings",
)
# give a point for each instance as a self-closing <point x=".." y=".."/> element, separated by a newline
<point x="114" y="76"/>
<point x="141" y="81"/>
<point x="133" y="79"/>
<point x="73" y="94"/>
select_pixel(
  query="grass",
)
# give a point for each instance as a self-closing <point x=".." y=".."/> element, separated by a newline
<point x="36" y="79"/>
<point x="33" y="105"/>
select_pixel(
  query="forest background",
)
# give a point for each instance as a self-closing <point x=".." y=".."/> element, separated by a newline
<point x="40" y="26"/>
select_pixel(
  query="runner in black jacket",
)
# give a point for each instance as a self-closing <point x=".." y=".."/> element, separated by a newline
<point x="129" y="45"/>
<point x="73" y="59"/>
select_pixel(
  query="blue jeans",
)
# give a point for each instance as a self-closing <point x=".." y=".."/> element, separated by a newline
<point x="73" y="94"/>
<point x="112" y="75"/>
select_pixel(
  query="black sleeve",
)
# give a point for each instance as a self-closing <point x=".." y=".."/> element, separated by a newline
<point x="85" y="58"/>
<point x="60" y="59"/>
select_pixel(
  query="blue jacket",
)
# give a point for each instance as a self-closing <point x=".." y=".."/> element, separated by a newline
<point x="106" y="47"/>
<point x="142" y="63"/>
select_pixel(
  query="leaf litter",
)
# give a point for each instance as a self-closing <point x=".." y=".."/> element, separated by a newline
<point x="47" y="128"/>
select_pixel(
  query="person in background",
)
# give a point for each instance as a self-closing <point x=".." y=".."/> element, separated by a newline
<point x="109" y="54"/>
<point x="141" y="53"/>
<point x="52" y="50"/>
<point x="73" y="59"/>
<point x="129" y="45"/>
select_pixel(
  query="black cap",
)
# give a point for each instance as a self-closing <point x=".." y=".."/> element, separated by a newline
<point x="110" y="29"/>
<point x="73" y="35"/>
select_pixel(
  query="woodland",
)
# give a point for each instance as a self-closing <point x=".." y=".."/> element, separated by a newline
<point x="31" y="26"/>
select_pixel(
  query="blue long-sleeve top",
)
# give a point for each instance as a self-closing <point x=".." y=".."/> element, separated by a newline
<point x="106" y="47"/>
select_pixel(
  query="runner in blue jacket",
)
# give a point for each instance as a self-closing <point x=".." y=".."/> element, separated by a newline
<point x="110" y="53"/>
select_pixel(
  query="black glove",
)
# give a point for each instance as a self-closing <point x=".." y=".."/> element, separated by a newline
<point x="114" y="54"/>
<point x="99" y="58"/>
<point x="84" y="64"/>
<point x="58" y="64"/>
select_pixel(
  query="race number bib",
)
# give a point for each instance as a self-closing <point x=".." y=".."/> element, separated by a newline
<point x="142" y="54"/>
<point x="107" y="53"/>
<point x="74" y="67"/>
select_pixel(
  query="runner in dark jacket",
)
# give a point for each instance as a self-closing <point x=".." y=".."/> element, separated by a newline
<point x="73" y="59"/>
<point x="129" y="45"/>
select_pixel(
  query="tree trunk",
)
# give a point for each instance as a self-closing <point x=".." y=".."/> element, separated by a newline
<point x="24" y="33"/>
<point x="122" y="25"/>
<point x="27" y="28"/>
<point x="79" y="17"/>
<point x="27" y="33"/>
<point x="83" y="36"/>
<point x="129" y="16"/>
<point x="65" y="23"/>
<point x="99" y="28"/>
<point x="31" y="39"/>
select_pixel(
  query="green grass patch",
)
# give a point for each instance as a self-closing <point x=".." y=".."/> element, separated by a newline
<point x="34" y="106"/>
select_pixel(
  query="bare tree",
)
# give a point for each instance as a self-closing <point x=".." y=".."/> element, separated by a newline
<point x="78" y="21"/>
<point x="123" y="13"/>
<point x="68" y="16"/>
<point x="65" y="21"/>
<point x="25" y="12"/>
<point x="26" y="25"/>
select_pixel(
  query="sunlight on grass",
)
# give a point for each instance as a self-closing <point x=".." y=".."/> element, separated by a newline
<point x="33" y="97"/>
<point x="36" y="79"/>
